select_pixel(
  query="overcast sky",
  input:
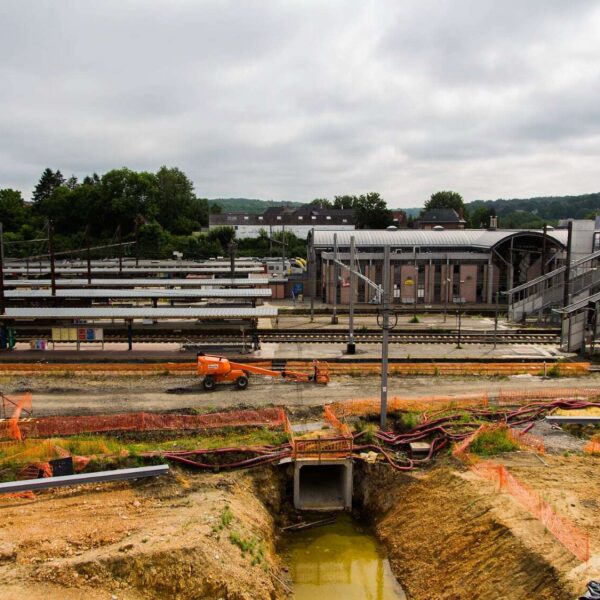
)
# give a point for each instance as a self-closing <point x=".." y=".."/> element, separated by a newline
<point x="297" y="100"/>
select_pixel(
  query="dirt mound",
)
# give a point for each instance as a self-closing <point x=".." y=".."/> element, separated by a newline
<point x="445" y="542"/>
<point x="185" y="537"/>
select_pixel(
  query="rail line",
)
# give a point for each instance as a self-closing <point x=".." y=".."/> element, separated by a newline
<point x="342" y="337"/>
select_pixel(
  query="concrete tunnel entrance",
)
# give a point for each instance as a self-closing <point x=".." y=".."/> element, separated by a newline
<point x="323" y="485"/>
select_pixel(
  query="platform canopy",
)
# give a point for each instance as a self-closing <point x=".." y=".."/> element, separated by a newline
<point x="144" y="293"/>
<point x="142" y="312"/>
<point x="159" y="282"/>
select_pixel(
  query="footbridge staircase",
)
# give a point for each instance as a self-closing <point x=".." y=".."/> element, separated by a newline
<point x="539" y="296"/>
<point x="546" y="299"/>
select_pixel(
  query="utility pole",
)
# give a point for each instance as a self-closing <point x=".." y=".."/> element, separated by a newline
<point x="51" y="253"/>
<point x="336" y="271"/>
<point x="385" y="337"/>
<point x="351" y="347"/>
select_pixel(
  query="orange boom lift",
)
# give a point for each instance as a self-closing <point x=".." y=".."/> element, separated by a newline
<point x="218" y="369"/>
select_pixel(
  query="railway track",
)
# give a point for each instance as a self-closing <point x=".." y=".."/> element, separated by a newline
<point x="424" y="337"/>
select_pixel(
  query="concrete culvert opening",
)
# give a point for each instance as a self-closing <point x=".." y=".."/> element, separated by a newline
<point x="323" y="486"/>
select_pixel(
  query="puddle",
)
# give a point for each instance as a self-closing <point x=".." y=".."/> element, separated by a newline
<point x="339" y="561"/>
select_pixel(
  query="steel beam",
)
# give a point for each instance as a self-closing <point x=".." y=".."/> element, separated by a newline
<point x="98" y="477"/>
<point x="574" y="420"/>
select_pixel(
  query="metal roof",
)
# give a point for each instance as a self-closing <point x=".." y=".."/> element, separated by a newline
<point x="476" y="238"/>
<point x="161" y="282"/>
<point x="142" y="312"/>
<point x="33" y="269"/>
<point x="145" y="293"/>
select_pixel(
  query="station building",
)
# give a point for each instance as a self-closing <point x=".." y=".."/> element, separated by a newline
<point x="436" y="266"/>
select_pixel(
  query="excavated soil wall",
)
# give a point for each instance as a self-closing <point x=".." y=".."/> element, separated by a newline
<point x="445" y="542"/>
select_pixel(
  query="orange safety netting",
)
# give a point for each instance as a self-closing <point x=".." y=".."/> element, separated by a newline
<point x="61" y="426"/>
<point x="509" y="397"/>
<point x="335" y="422"/>
<point x="527" y="440"/>
<point x="570" y="536"/>
<point x="371" y="406"/>
<point x="9" y="427"/>
<point x="593" y="446"/>
<point x="345" y="368"/>
<point x="323" y="448"/>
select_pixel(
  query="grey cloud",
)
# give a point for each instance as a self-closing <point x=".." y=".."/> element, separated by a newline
<point x="296" y="100"/>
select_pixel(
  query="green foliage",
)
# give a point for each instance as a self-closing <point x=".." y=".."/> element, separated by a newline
<point x="249" y="205"/>
<point x="49" y="181"/>
<point x="445" y="199"/>
<point x="162" y="204"/>
<point x="345" y="202"/>
<point x="495" y="441"/>
<point x="321" y="203"/>
<point x="535" y="211"/>
<point x="554" y="371"/>
<point x="371" y="212"/>
<point x="410" y="419"/>
<point x="13" y="210"/>
<point x="368" y="431"/>
<point x="249" y="545"/>
<point x="414" y="319"/>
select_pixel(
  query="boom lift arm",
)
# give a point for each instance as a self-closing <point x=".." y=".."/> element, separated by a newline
<point x="218" y="369"/>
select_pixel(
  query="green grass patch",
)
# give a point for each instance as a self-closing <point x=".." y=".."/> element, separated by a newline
<point x="490" y="443"/>
<point x="249" y="545"/>
<point x="41" y="450"/>
<point x="368" y="431"/>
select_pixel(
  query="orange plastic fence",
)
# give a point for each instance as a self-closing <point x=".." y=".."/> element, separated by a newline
<point x="509" y="397"/>
<point x="371" y="406"/>
<point x="593" y="446"/>
<point x="527" y="440"/>
<point x="9" y="428"/>
<point x="570" y="536"/>
<point x="566" y="368"/>
<point x="60" y="426"/>
<point x="323" y="448"/>
<point x="335" y="422"/>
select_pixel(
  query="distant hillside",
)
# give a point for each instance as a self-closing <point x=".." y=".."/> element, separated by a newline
<point x="249" y="205"/>
<point x="550" y="208"/>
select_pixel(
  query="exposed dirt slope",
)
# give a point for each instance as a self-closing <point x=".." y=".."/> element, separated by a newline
<point x="445" y="541"/>
<point x="169" y="538"/>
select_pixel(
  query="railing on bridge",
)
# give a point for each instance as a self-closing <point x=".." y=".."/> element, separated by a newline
<point x="322" y="447"/>
<point x="547" y="291"/>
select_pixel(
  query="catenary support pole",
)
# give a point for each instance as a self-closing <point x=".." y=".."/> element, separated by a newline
<point x="336" y="275"/>
<point x="51" y="253"/>
<point x="385" y="337"/>
<point x="2" y="299"/>
<point x="312" y="267"/>
<point x="351" y="347"/>
<point x="88" y="255"/>
<point x="496" y="320"/>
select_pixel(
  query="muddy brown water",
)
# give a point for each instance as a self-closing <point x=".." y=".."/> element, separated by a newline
<point x="340" y="560"/>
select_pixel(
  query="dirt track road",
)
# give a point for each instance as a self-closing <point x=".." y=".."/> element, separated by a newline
<point x="106" y="394"/>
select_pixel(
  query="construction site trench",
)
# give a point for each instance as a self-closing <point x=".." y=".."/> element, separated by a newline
<point x="263" y="502"/>
<point x="219" y="535"/>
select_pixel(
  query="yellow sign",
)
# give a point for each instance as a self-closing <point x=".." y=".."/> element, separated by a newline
<point x="409" y="282"/>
